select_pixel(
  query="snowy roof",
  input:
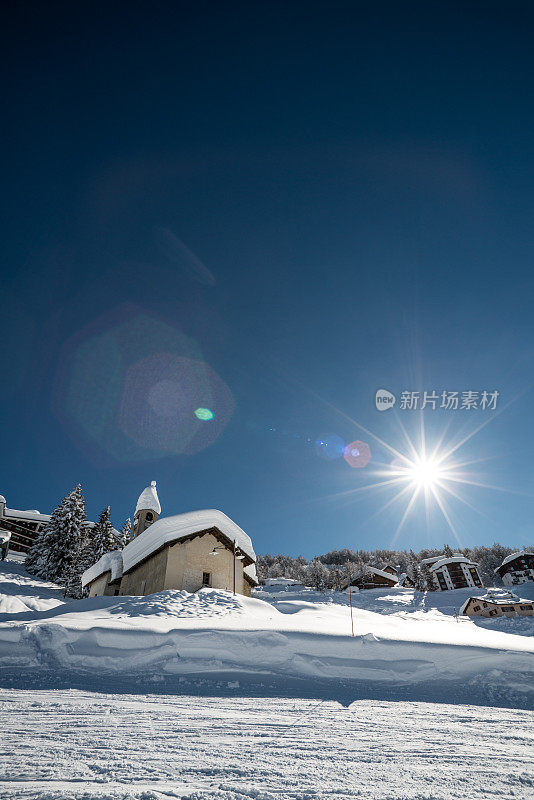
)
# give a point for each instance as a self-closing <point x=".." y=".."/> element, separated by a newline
<point x="282" y="582"/>
<point x="34" y="515"/>
<point x="513" y="556"/>
<point x="2" y="498"/>
<point x="181" y="526"/>
<point x="375" y="571"/>
<point x="497" y="594"/>
<point x="250" y="573"/>
<point x="109" y="562"/>
<point x="381" y="572"/>
<point x="453" y="560"/>
<point x="465" y="604"/>
<point x="148" y="499"/>
<point x="432" y="559"/>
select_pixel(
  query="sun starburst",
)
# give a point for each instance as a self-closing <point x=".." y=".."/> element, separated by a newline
<point x="431" y="476"/>
<point x="420" y="474"/>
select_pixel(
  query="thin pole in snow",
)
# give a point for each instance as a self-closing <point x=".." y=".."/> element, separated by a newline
<point x="234" y="566"/>
<point x="350" y="602"/>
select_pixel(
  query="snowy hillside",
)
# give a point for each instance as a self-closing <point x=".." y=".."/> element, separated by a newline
<point x="406" y="643"/>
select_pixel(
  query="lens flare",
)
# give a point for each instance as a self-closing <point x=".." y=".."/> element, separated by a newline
<point x="330" y="446"/>
<point x="357" y="454"/>
<point x="177" y="252"/>
<point x="128" y="388"/>
<point x="205" y="414"/>
<point x="161" y="394"/>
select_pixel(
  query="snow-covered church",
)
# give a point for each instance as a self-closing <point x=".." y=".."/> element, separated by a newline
<point x="186" y="551"/>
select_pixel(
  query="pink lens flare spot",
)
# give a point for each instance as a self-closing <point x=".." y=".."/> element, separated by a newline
<point x="357" y="454"/>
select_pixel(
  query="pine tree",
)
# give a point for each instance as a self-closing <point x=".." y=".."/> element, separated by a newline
<point x="82" y="559"/>
<point x="53" y="552"/>
<point x="103" y="539"/>
<point x="99" y="539"/>
<point x="447" y="551"/>
<point x="412" y="568"/>
<point x="349" y="572"/>
<point x="125" y="533"/>
<point x="336" y="579"/>
<point x="318" y="575"/>
<point x="35" y="562"/>
<point x="364" y="573"/>
<point x="415" y="573"/>
<point x="427" y="578"/>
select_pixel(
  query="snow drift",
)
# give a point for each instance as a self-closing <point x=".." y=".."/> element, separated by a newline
<point x="402" y="638"/>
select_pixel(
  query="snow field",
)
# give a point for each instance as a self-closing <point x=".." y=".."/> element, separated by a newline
<point x="401" y="640"/>
<point x="59" y="745"/>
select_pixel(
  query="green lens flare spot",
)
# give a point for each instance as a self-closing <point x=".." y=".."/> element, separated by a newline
<point x="205" y="414"/>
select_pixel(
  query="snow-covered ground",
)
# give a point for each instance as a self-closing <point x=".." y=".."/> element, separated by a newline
<point x="74" y="745"/>
<point x="406" y="643"/>
<point x="207" y="696"/>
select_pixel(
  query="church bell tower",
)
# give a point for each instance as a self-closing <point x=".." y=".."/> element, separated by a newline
<point x="147" y="509"/>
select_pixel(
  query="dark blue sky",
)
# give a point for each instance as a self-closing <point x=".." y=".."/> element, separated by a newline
<point x="270" y="210"/>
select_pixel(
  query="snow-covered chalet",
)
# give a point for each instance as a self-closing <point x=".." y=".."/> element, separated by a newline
<point x="25" y="526"/>
<point x="453" y="572"/>
<point x="497" y="603"/>
<point x="517" y="568"/>
<point x="375" y="578"/>
<point x="186" y="551"/>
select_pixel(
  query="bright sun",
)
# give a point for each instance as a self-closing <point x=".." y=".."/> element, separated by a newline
<point x="424" y="473"/>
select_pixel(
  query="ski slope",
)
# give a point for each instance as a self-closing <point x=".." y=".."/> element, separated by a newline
<point x="75" y="745"/>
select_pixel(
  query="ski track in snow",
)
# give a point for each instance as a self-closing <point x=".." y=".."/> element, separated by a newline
<point x="75" y="745"/>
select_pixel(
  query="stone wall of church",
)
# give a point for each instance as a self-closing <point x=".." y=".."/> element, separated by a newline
<point x="148" y="577"/>
<point x="187" y="565"/>
<point x="188" y="561"/>
<point x="100" y="586"/>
